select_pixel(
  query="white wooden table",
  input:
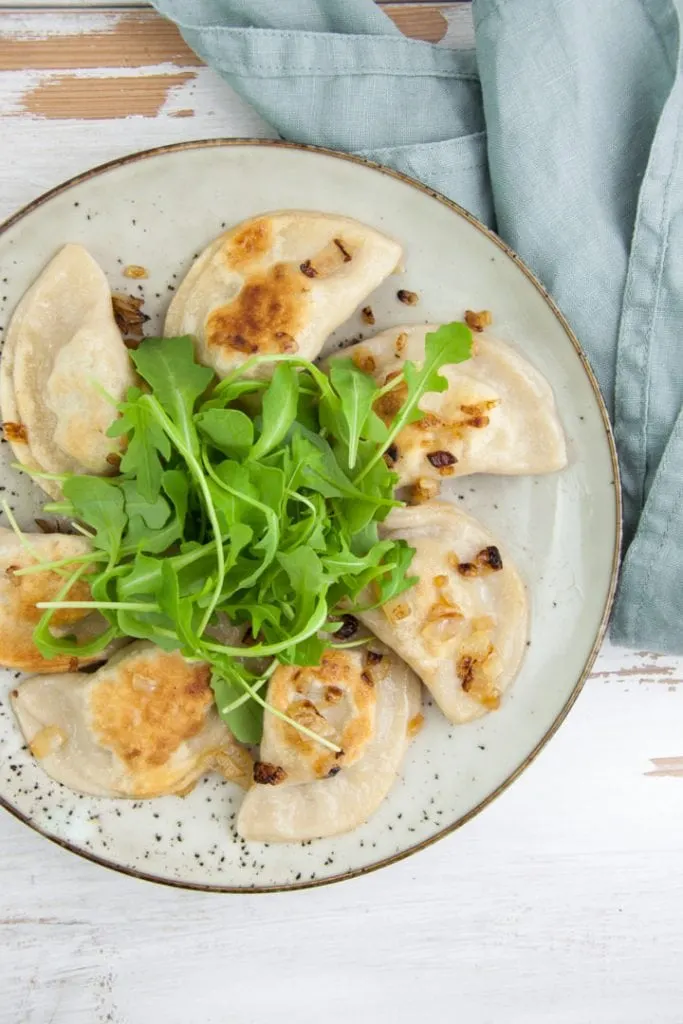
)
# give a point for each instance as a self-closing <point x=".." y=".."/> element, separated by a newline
<point x="562" y="902"/>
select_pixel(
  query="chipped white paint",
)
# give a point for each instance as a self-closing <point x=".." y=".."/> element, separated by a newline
<point x="460" y="29"/>
<point x="22" y="24"/>
<point x="561" y="903"/>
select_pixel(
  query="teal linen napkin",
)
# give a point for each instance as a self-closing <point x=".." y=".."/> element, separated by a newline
<point x="564" y="133"/>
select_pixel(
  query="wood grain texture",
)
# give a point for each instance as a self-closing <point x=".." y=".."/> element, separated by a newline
<point x="72" y="86"/>
<point x="129" y="41"/>
<point x="68" y="96"/>
<point x="560" y="904"/>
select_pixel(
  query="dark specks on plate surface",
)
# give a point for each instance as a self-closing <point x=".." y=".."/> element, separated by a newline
<point x="436" y="792"/>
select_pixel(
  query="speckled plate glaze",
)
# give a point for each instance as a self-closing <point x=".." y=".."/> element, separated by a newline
<point x="159" y="208"/>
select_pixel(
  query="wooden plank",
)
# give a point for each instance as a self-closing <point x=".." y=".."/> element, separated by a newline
<point x="131" y="40"/>
<point x="419" y="22"/>
<point x="142" y="38"/>
<point x="76" y="44"/>
<point x="94" y="99"/>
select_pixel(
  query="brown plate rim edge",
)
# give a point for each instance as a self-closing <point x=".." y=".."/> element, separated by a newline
<point x="602" y="626"/>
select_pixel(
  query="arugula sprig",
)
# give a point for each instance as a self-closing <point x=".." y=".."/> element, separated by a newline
<point x="252" y="500"/>
<point x="450" y="343"/>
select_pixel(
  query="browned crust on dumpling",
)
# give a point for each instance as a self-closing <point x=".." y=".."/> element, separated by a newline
<point x="150" y="706"/>
<point x="248" y="245"/>
<point x="270" y="309"/>
<point x="28" y="591"/>
<point x="20" y="596"/>
<point x="291" y="691"/>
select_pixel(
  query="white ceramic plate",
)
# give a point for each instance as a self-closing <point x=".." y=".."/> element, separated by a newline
<point x="160" y="208"/>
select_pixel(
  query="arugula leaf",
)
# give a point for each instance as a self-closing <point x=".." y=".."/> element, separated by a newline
<point x="364" y="540"/>
<point x="278" y="410"/>
<point x="258" y="616"/>
<point x="344" y="562"/>
<point x="377" y="487"/>
<point x="140" y="578"/>
<point x="177" y="486"/>
<point x="304" y="569"/>
<point x="236" y="493"/>
<point x="450" y="343"/>
<point x="312" y="528"/>
<point x="233" y="492"/>
<point x="390" y="578"/>
<point x="226" y="392"/>
<point x="169" y="367"/>
<point x="153" y="514"/>
<point x="245" y="721"/>
<point x="306" y="652"/>
<point x="147" y="444"/>
<point x="228" y="429"/>
<point x="357" y="391"/>
<point x="180" y="610"/>
<point x="375" y="429"/>
<point x="99" y="503"/>
<point x="320" y="470"/>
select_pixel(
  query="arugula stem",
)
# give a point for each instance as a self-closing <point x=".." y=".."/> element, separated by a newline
<point x="269" y="514"/>
<point x="122" y="606"/>
<point x="43" y="623"/>
<point x="258" y="650"/>
<point x="348" y="644"/>
<point x="255" y="695"/>
<point x="390" y="385"/>
<point x="60" y="563"/>
<point x="59" y="508"/>
<point x="258" y="685"/>
<point x="101" y="390"/>
<point x="21" y="536"/>
<point x="396" y="428"/>
<point x="24" y="541"/>
<point x="82" y="530"/>
<point x="40" y="474"/>
<point x="297" y="496"/>
<point x="196" y="471"/>
<point x="249" y="364"/>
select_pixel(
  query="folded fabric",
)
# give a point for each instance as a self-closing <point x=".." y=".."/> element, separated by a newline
<point x="564" y="132"/>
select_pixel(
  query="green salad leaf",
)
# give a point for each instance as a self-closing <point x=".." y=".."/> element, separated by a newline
<point x="278" y="410"/>
<point x="168" y="365"/>
<point x="357" y="392"/>
<point x="147" y="445"/>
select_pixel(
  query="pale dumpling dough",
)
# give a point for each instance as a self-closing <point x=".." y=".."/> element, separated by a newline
<point x="463" y="626"/>
<point x="61" y="343"/>
<point x="278" y="283"/>
<point x="366" y="702"/>
<point x="498" y="414"/>
<point x="143" y="725"/>
<point x="20" y="594"/>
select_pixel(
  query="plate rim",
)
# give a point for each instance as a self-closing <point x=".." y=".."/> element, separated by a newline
<point x="221" y="142"/>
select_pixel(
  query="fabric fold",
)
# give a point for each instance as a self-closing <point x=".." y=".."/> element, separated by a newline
<point x="564" y="132"/>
